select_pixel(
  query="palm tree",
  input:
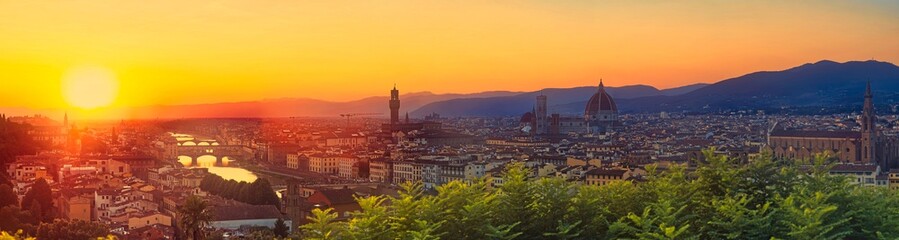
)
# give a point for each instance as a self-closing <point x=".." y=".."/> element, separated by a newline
<point x="194" y="217"/>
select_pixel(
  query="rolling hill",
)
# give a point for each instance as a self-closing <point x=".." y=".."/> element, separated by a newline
<point x="821" y="87"/>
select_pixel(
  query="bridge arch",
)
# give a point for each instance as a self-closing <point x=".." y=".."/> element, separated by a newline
<point x="203" y="144"/>
<point x="187" y="161"/>
<point x="203" y="160"/>
<point x="188" y="143"/>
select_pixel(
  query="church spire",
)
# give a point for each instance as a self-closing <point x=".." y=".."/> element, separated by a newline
<point x="868" y="90"/>
<point x="600" y="83"/>
<point x="869" y="131"/>
<point x="868" y="109"/>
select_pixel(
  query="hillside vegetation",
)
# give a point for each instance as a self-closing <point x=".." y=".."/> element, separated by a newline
<point x="721" y="199"/>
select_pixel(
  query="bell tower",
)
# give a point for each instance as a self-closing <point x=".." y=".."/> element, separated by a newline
<point x="869" y="129"/>
<point x="394" y="106"/>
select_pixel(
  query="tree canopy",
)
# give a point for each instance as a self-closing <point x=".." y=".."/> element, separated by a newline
<point x="73" y="230"/>
<point x="194" y="216"/>
<point x="14" y="141"/>
<point x="8" y="196"/>
<point x="39" y="199"/>
<point x="259" y="192"/>
<point x="720" y="199"/>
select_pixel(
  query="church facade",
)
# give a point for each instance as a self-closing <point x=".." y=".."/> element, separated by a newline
<point x="865" y="146"/>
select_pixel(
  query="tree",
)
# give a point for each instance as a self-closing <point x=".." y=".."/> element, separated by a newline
<point x="74" y="230"/>
<point x="7" y="196"/>
<point x="721" y="199"/>
<point x="262" y="233"/>
<point x="809" y="216"/>
<point x="501" y="233"/>
<point x="37" y="212"/>
<point x="41" y="195"/>
<point x="262" y="193"/>
<point x="92" y="144"/>
<point x="14" y="218"/>
<point x="194" y="217"/>
<point x="734" y="218"/>
<point x="322" y="226"/>
<point x="281" y="229"/>
<point x="4" y="179"/>
<point x="513" y="199"/>
<point x="15" y="141"/>
<point x="369" y="223"/>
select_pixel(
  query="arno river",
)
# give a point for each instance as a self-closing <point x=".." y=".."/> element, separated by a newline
<point x="228" y="168"/>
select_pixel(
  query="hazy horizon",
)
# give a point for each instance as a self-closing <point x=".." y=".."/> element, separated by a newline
<point x="189" y="52"/>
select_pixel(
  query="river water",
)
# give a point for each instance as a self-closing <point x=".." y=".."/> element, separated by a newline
<point x="228" y="168"/>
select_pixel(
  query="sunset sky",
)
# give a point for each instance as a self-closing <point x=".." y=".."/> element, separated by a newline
<point x="182" y="52"/>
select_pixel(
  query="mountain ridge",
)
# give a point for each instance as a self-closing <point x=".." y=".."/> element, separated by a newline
<point x="798" y="89"/>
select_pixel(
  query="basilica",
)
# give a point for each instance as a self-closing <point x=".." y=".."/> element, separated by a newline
<point x="600" y="116"/>
<point x="865" y="146"/>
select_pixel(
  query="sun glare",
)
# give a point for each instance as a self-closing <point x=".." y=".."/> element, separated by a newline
<point x="89" y="87"/>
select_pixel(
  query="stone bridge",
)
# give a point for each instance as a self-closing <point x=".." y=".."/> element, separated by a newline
<point x="198" y="142"/>
<point x="217" y="151"/>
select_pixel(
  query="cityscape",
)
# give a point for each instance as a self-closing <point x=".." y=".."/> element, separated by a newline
<point x="490" y="141"/>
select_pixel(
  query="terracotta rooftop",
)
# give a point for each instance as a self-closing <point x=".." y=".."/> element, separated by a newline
<point x="816" y="134"/>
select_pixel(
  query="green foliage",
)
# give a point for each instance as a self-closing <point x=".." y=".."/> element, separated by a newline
<point x="262" y="233"/>
<point x="16" y="218"/>
<point x="720" y="199"/>
<point x="811" y="216"/>
<point x="281" y="229"/>
<point x="258" y="192"/>
<point x="194" y="217"/>
<point x="74" y="230"/>
<point x="39" y="199"/>
<point x="322" y="226"/>
<point x="14" y="141"/>
<point x="7" y="196"/>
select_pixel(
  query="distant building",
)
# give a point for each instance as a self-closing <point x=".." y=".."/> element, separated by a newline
<point x="861" y="174"/>
<point x="540" y="115"/>
<point x="150" y="218"/>
<point x="345" y="140"/>
<point x="342" y="201"/>
<point x="394" y="106"/>
<point x="396" y="125"/>
<point x="605" y="176"/>
<point x="381" y="170"/>
<point x="324" y="163"/>
<point x="893" y="179"/>
<point x="45" y="130"/>
<point x="277" y="153"/>
<point x="345" y="167"/>
<point x="235" y="217"/>
<point x="298" y="161"/>
<point x="600" y="115"/>
<point x="865" y="146"/>
<point x="406" y="171"/>
<point x="73" y="204"/>
<point x="114" y="167"/>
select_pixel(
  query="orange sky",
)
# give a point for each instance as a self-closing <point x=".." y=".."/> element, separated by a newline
<point x="179" y="52"/>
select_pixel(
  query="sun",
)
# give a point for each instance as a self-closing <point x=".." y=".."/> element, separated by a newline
<point x="89" y="87"/>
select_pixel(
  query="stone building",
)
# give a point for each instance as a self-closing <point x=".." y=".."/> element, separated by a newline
<point x="865" y="146"/>
<point x="600" y="115"/>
